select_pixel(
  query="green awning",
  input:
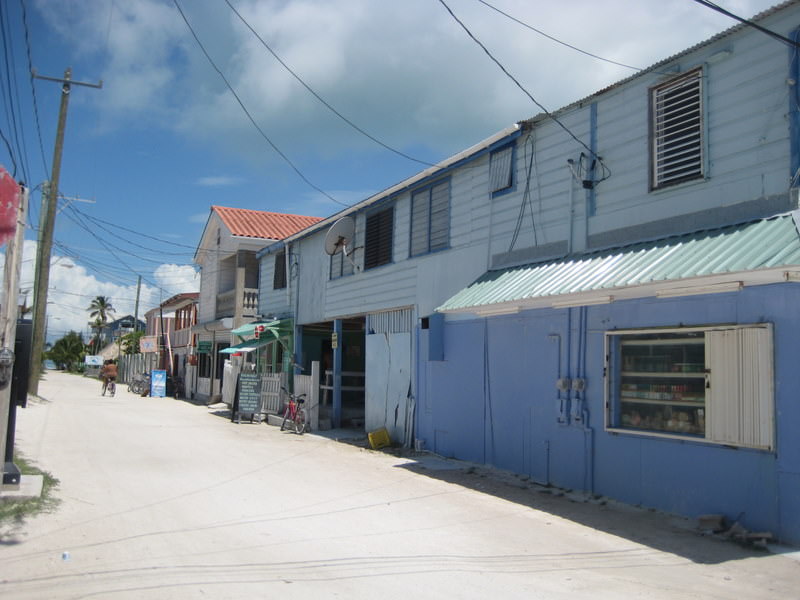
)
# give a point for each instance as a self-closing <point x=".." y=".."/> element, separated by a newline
<point x="715" y="260"/>
<point x="278" y="327"/>
<point x="248" y="346"/>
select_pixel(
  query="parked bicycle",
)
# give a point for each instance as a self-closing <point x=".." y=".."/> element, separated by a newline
<point x="140" y="384"/>
<point x="295" y="412"/>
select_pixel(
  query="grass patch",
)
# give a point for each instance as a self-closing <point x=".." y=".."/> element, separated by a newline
<point x="13" y="512"/>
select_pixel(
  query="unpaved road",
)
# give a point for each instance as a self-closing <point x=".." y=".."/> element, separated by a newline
<point x="165" y="499"/>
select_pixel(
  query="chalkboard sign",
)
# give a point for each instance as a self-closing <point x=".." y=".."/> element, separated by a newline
<point x="248" y="397"/>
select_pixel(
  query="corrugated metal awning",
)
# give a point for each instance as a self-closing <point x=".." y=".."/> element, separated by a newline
<point x="717" y="260"/>
<point x="248" y="346"/>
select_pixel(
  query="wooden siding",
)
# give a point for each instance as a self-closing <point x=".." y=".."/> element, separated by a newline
<point x="748" y="169"/>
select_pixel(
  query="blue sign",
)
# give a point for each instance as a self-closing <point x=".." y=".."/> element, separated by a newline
<point x="158" y="384"/>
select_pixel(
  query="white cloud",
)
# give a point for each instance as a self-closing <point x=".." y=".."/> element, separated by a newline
<point x="72" y="289"/>
<point x="198" y="217"/>
<point x="404" y="71"/>
<point x="219" y="181"/>
<point x="176" y="279"/>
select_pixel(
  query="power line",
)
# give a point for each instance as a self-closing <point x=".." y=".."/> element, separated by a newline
<point x="249" y="116"/>
<point x="33" y="88"/>
<point x="139" y="233"/>
<point x="10" y="154"/>
<point x="322" y="100"/>
<point x="556" y="40"/>
<point x="606" y="170"/>
<point x="749" y="23"/>
<point x="12" y="91"/>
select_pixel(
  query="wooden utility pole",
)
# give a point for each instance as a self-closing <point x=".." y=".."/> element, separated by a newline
<point x="42" y="277"/>
<point x="136" y="310"/>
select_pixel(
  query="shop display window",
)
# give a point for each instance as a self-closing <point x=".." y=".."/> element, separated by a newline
<point x="708" y="383"/>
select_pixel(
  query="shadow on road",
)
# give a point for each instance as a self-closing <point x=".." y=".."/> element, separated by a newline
<point x="658" y="530"/>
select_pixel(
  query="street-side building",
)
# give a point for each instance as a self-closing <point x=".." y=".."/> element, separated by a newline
<point x="601" y="297"/>
<point x="356" y="311"/>
<point x="170" y="324"/>
<point x="229" y="278"/>
<point x="113" y="331"/>
<point x="634" y="334"/>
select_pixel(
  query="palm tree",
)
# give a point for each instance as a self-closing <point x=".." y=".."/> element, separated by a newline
<point x="100" y="310"/>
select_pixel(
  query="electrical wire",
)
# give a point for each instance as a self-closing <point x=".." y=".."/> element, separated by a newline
<point x="10" y="91"/>
<point x="526" y="196"/>
<point x="322" y="100"/>
<point x="708" y="4"/>
<point x="551" y="116"/>
<point x="250" y="117"/>
<point x="138" y="233"/>
<point x="556" y="40"/>
<point x="10" y="154"/>
<point x="33" y="87"/>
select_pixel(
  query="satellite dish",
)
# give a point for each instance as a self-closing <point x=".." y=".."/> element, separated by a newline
<point x="339" y="236"/>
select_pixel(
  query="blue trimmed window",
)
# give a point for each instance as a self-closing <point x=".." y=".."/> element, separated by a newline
<point x="430" y="219"/>
<point x="501" y="171"/>
<point x="342" y="265"/>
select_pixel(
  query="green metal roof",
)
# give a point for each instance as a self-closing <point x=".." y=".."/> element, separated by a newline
<point x="758" y="248"/>
<point x="248" y="346"/>
<point x="274" y="325"/>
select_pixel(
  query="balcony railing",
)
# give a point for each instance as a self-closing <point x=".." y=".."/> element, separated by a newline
<point x="181" y="338"/>
<point x="226" y="303"/>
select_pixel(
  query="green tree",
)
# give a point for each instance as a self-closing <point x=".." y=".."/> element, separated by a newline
<point x="130" y="342"/>
<point x="68" y="351"/>
<point x="100" y="310"/>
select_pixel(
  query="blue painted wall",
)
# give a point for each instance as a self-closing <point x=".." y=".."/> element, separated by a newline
<point x="493" y="400"/>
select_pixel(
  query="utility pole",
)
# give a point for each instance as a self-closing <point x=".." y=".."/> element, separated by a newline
<point x="8" y="318"/>
<point x="42" y="277"/>
<point x="136" y="310"/>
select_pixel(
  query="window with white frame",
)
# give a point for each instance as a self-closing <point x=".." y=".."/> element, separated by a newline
<point x="430" y="219"/>
<point x="501" y="172"/>
<point x="676" y="130"/>
<point x="713" y="384"/>
<point x="378" y="238"/>
<point x="279" y="274"/>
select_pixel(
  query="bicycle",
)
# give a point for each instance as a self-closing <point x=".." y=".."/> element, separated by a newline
<point x="140" y="384"/>
<point x="295" y="413"/>
<point x="109" y="386"/>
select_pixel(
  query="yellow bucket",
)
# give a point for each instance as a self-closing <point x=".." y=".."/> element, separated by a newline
<point x="379" y="438"/>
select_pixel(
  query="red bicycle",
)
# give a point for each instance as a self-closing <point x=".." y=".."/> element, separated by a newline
<point x="295" y="412"/>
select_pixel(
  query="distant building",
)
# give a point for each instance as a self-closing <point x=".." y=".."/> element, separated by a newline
<point x="229" y="275"/>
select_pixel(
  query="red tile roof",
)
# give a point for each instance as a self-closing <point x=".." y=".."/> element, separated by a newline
<point x="262" y="224"/>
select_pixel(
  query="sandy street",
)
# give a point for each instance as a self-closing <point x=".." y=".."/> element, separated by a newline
<point x="166" y="499"/>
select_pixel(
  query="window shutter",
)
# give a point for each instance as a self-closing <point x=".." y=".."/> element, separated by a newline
<point x="419" y="223"/>
<point x="739" y="399"/>
<point x="677" y="129"/>
<point x="378" y="238"/>
<point x="440" y="216"/>
<point x="279" y="274"/>
<point x="500" y="169"/>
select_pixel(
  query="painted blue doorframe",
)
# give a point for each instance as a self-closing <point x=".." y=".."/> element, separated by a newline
<point x="337" y="374"/>
<point x="494" y="400"/>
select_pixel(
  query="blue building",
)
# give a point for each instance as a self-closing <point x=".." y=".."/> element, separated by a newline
<point x="652" y="357"/>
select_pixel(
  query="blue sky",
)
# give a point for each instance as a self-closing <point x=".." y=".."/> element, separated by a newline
<point x="165" y="138"/>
